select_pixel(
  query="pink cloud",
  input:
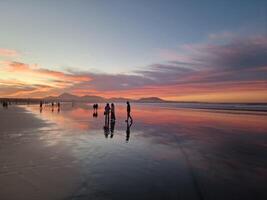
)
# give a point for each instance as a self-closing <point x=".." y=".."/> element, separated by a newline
<point x="237" y="66"/>
<point x="221" y="35"/>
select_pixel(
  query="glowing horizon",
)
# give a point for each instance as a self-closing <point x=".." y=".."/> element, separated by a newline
<point x="151" y="54"/>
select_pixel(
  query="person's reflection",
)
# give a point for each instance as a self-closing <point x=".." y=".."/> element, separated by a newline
<point x="106" y="128"/>
<point x="41" y="109"/>
<point x="112" y="127"/>
<point x="129" y="124"/>
<point x="95" y="114"/>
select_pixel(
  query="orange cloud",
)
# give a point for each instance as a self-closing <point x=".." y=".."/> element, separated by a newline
<point x="24" y="80"/>
<point x="17" y="66"/>
<point x="8" y="53"/>
<point x="33" y="69"/>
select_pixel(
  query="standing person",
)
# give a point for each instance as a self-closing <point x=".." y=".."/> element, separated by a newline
<point x="58" y="107"/>
<point x="107" y="110"/>
<point x="113" y="118"/>
<point x="41" y="106"/>
<point x="128" y="112"/>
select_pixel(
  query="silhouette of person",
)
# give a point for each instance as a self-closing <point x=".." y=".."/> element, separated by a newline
<point x="112" y="127"/>
<point x="106" y="129"/>
<point x="106" y="113"/>
<point x="128" y="112"/>
<point x="95" y="114"/>
<point x="113" y="118"/>
<point x="41" y="104"/>
<point x="5" y="104"/>
<point x="128" y="131"/>
<point x="58" y="107"/>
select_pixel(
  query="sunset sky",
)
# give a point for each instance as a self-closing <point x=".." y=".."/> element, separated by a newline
<point x="213" y="51"/>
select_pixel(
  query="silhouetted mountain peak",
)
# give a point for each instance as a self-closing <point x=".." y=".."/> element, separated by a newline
<point x="151" y="99"/>
<point x="67" y="96"/>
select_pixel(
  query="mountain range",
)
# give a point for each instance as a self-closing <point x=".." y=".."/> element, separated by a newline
<point x="99" y="99"/>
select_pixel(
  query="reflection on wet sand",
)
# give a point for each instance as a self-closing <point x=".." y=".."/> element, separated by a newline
<point x="112" y="127"/>
<point x="169" y="153"/>
<point x="128" y="131"/>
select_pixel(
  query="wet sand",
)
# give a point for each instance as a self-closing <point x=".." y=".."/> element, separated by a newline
<point x="166" y="154"/>
<point x="29" y="168"/>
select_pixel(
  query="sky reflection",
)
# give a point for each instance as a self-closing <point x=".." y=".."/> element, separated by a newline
<point x="201" y="153"/>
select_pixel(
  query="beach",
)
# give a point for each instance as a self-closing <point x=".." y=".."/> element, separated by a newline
<point x="169" y="152"/>
<point x="31" y="169"/>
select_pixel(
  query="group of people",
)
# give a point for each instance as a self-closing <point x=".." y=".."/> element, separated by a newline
<point x="52" y="104"/>
<point x="95" y="107"/>
<point x="5" y="104"/>
<point x="109" y="112"/>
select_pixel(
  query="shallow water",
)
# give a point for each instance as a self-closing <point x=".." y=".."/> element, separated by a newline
<point x="167" y="153"/>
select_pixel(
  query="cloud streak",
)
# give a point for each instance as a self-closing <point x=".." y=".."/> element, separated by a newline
<point x="24" y="80"/>
<point x="8" y="53"/>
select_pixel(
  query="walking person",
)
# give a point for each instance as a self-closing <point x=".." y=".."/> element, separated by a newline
<point x="113" y="118"/>
<point x="128" y="112"/>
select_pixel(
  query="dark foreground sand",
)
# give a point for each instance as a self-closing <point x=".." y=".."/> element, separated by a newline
<point x="30" y="169"/>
